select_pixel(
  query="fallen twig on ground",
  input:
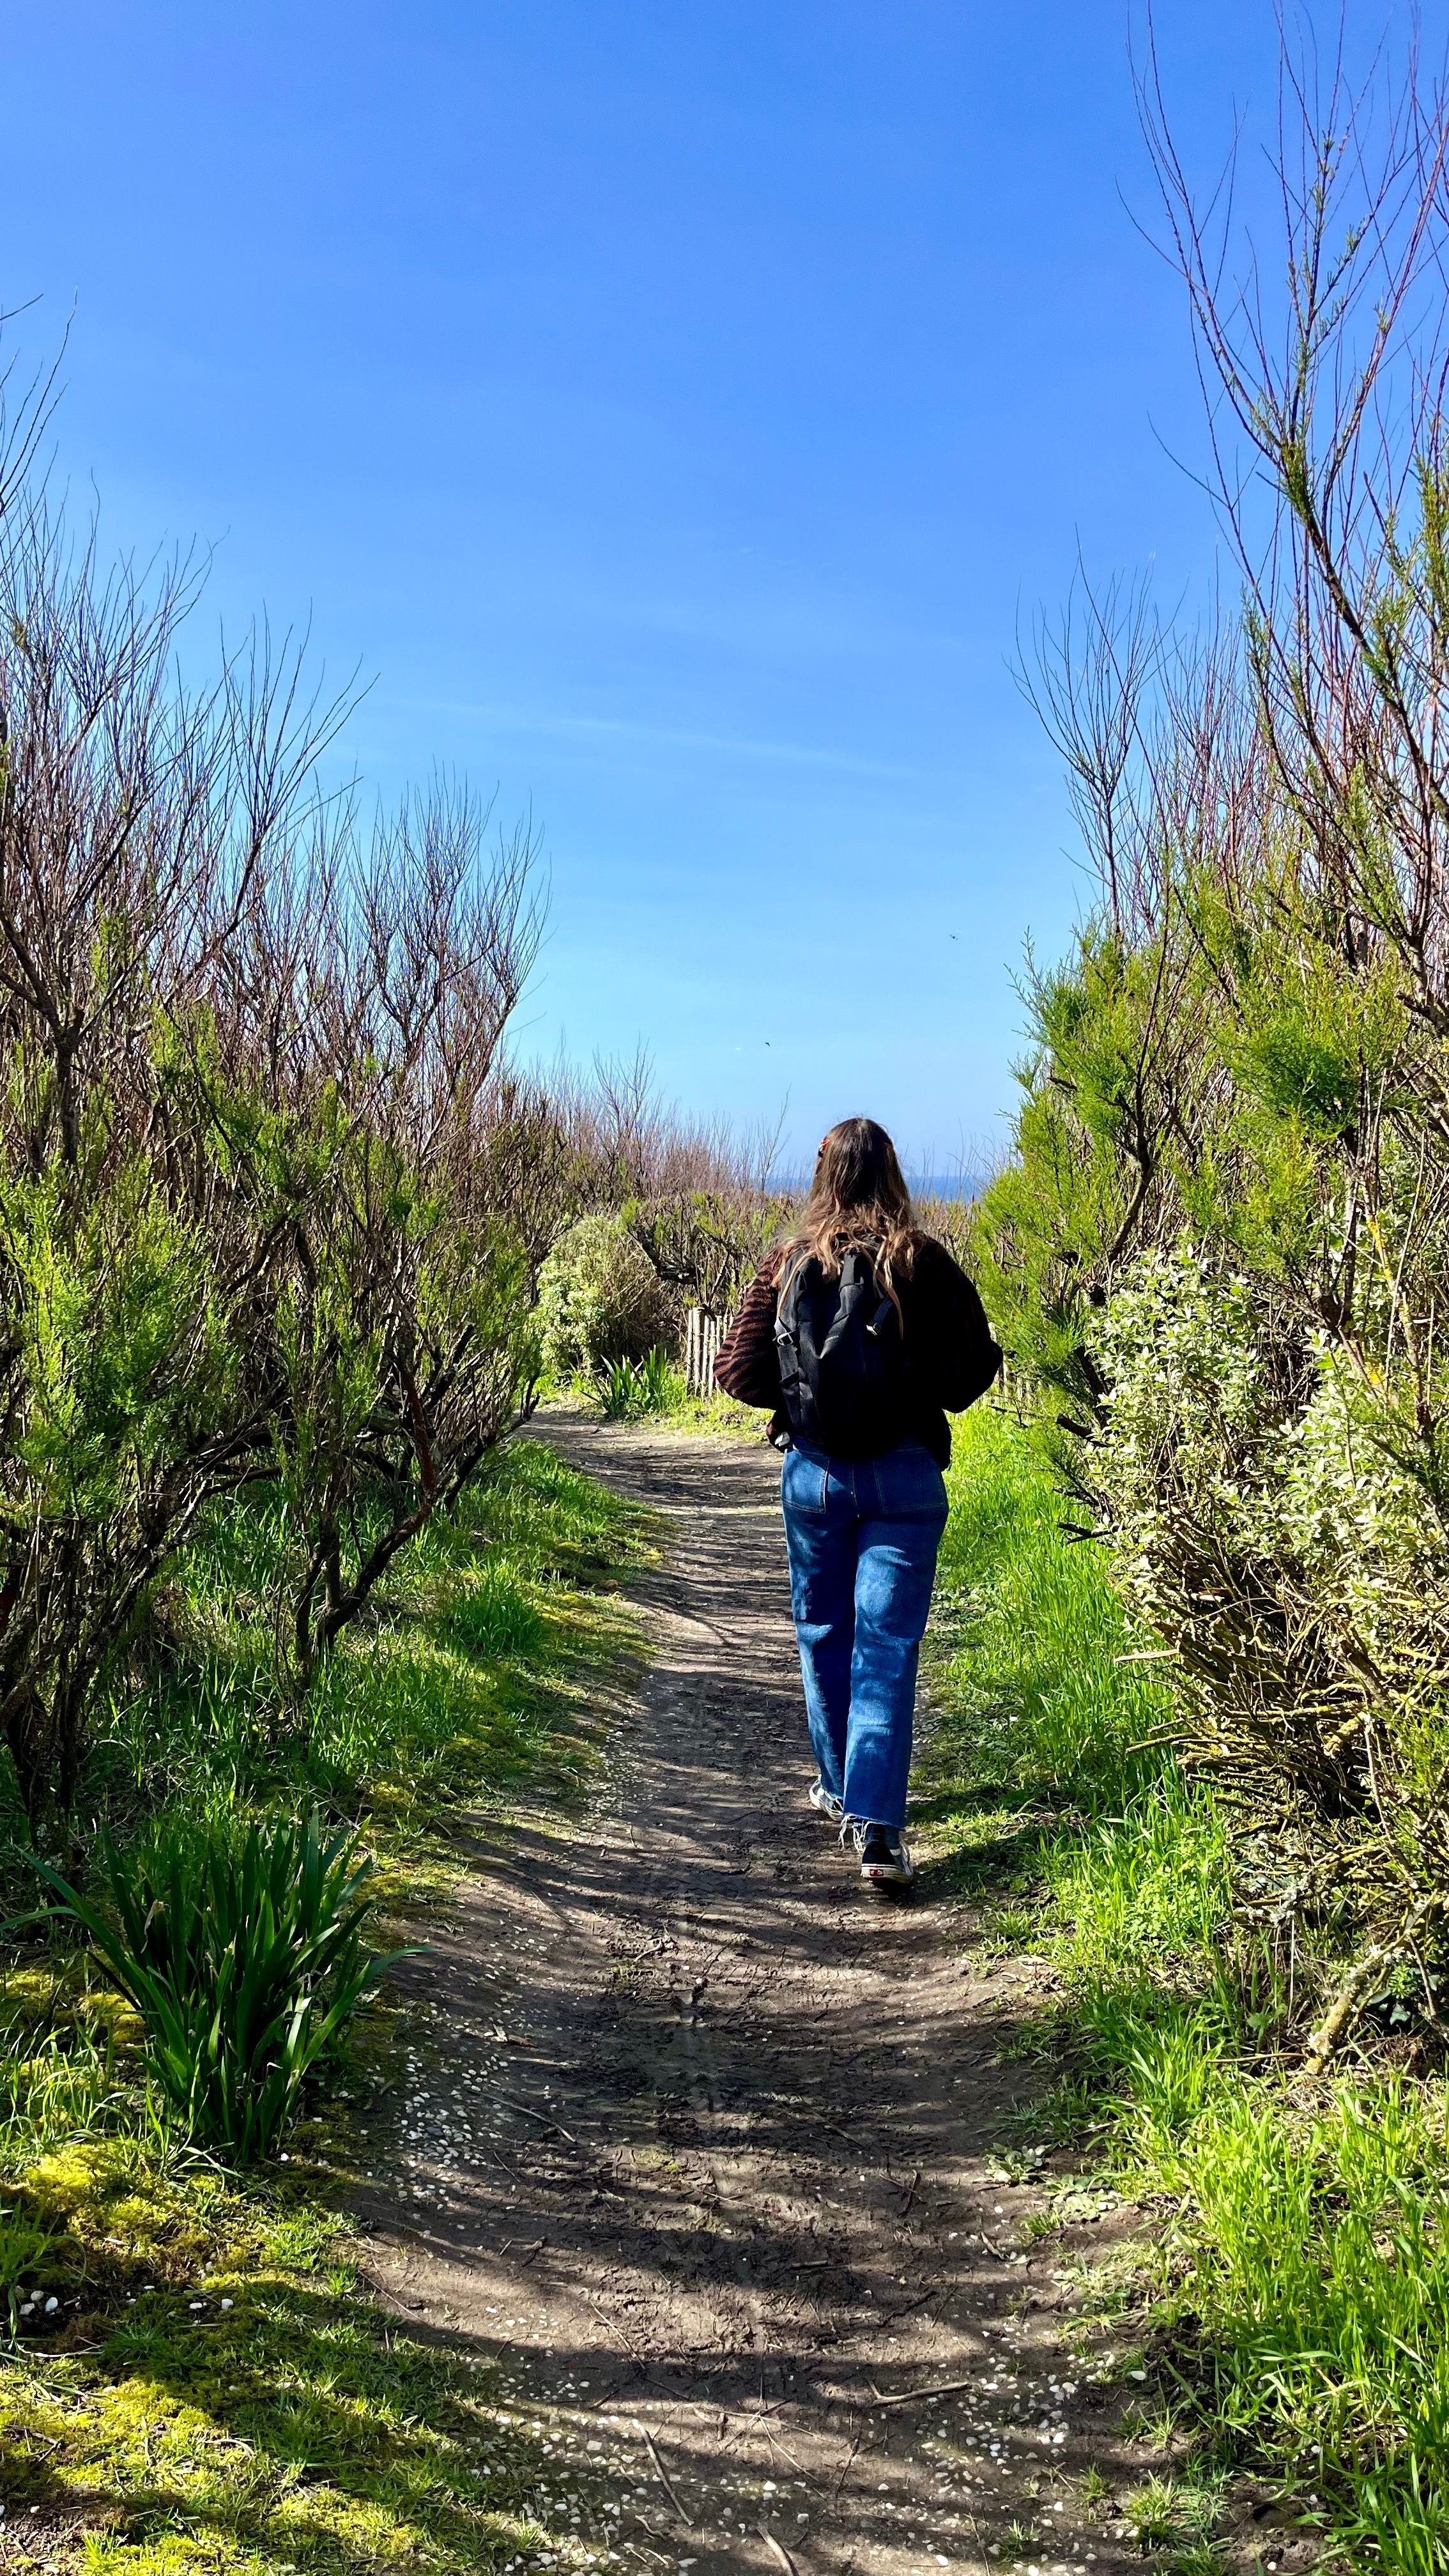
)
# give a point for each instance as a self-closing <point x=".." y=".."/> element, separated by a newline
<point x="625" y="2339"/>
<point x="785" y="2453"/>
<point x="542" y="2117"/>
<point x="848" y="2465"/>
<point x="912" y="2396"/>
<point x="663" y="2476"/>
<point x="909" y="2307"/>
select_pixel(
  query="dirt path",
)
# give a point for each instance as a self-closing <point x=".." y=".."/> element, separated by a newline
<point x="702" y="2148"/>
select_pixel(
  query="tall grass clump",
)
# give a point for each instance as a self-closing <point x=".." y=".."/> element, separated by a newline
<point x="629" y="1390"/>
<point x="243" y="1951"/>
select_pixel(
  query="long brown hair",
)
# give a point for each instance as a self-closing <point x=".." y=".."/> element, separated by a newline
<point x="858" y="1201"/>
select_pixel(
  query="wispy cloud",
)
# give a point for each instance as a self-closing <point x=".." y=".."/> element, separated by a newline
<point x="603" y="730"/>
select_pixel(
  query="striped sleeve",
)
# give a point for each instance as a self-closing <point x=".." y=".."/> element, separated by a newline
<point x="748" y="1366"/>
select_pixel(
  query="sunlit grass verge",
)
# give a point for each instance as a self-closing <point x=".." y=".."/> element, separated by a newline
<point x="482" y="1662"/>
<point x="1035" y="1704"/>
<point x="263" y="2412"/>
<point x="718" y="1415"/>
<point x="189" y="2378"/>
<point x="1299" y="2251"/>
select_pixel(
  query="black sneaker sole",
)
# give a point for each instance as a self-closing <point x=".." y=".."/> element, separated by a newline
<point x="882" y="1873"/>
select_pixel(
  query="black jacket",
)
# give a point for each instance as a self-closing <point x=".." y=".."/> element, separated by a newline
<point x="953" y="1357"/>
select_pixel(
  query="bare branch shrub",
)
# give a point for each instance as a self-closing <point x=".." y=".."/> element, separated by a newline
<point x="346" y="1051"/>
<point x="1224" y="1245"/>
<point x="267" y="1203"/>
<point x="132" y="1273"/>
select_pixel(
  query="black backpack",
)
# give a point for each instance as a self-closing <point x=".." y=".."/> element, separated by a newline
<point x="842" y="1367"/>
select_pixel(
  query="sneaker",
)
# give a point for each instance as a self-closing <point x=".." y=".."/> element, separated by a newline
<point x="825" y="1802"/>
<point x="884" y="1859"/>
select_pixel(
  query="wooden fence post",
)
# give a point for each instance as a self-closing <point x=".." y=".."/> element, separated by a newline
<point x="703" y="1334"/>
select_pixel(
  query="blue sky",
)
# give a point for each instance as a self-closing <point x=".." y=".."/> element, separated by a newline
<point x="677" y="407"/>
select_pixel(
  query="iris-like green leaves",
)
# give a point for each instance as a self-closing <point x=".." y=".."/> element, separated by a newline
<point x="244" y="1954"/>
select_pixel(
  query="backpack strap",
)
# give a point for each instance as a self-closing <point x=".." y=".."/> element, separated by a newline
<point x="787" y="1339"/>
<point x="882" y="1320"/>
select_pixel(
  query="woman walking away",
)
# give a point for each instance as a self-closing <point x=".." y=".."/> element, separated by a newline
<point x="861" y="1334"/>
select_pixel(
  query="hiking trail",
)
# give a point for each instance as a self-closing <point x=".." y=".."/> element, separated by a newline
<point x="699" y="2138"/>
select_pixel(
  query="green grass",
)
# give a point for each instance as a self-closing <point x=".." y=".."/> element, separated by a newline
<point x="1037" y="1705"/>
<point x="300" y="2426"/>
<point x="717" y="1416"/>
<point x="1299" y="2265"/>
<point x="478" y="1664"/>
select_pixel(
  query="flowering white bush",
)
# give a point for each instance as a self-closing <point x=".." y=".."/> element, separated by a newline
<point x="1265" y="1519"/>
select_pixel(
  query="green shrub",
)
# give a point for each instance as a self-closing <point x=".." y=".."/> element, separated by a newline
<point x="243" y="1954"/>
<point x="1303" y="2272"/>
<point x="600" y="1299"/>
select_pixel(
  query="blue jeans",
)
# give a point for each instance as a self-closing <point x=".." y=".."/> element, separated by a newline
<point x="863" y="1535"/>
